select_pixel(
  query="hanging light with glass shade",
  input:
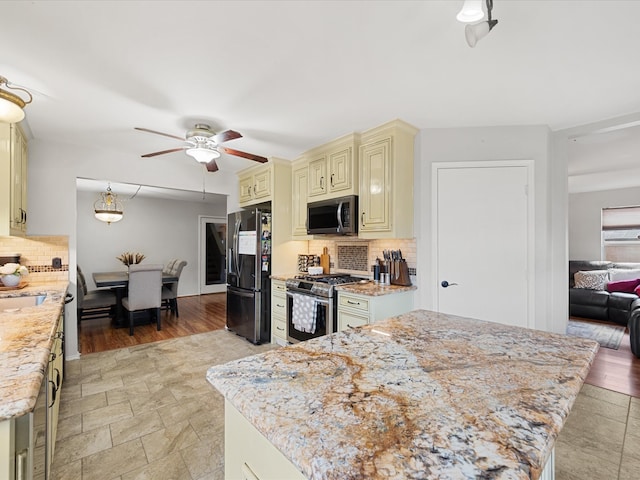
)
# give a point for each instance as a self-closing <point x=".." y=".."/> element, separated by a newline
<point x="107" y="208"/>
<point x="11" y="104"/>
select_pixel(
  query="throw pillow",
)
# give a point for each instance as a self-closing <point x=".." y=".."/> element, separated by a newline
<point x="637" y="290"/>
<point x="591" y="279"/>
<point x="625" y="286"/>
<point x="617" y="274"/>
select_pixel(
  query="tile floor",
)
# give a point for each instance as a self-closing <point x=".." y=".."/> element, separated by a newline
<point x="147" y="412"/>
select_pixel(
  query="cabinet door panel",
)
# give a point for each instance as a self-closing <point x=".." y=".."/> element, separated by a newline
<point x="340" y="170"/>
<point x="300" y="190"/>
<point x="246" y="186"/>
<point x="374" y="187"/>
<point x="262" y="184"/>
<point x="318" y="176"/>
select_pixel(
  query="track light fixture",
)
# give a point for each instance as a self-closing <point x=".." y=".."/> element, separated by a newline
<point x="11" y="105"/>
<point x="472" y="12"/>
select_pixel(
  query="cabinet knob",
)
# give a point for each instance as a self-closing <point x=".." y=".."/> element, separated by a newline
<point x="362" y="218"/>
<point x="332" y="185"/>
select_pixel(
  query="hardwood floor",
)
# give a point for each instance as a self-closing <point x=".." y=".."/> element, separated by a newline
<point x="198" y="314"/>
<point x="616" y="370"/>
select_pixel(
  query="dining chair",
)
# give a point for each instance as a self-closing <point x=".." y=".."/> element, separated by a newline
<point x="170" y="291"/>
<point x="145" y="292"/>
<point x="92" y="304"/>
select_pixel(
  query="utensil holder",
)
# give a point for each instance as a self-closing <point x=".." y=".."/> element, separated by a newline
<point x="400" y="273"/>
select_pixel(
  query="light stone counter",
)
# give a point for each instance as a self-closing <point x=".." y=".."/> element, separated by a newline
<point x="422" y="395"/>
<point x="373" y="289"/>
<point x="26" y="337"/>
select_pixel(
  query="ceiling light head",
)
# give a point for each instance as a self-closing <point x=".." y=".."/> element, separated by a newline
<point x="11" y="104"/>
<point x="203" y="154"/>
<point x="476" y="31"/>
<point x="471" y="11"/>
<point x="107" y="208"/>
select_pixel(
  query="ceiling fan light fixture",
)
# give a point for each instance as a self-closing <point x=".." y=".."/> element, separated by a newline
<point x="12" y="105"/>
<point x="471" y="11"/>
<point x="203" y="155"/>
<point x="107" y="208"/>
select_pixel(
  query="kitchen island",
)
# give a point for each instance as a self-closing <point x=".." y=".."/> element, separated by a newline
<point x="421" y="395"/>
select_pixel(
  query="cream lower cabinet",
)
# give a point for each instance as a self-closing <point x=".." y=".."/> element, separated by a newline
<point x="355" y="310"/>
<point x="278" y="312"/>
<point x="248" y="455"/>
<point x="386" y="181"/>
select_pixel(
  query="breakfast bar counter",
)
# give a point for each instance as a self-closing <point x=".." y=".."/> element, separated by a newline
<point x="421" y="395"/>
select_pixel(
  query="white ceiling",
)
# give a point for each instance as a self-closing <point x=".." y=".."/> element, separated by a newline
<point x="290" y="75"/>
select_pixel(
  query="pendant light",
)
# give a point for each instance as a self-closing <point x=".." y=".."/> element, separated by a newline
<point x="203" y="154"/>
<point x="107" y="208"/>
<point x="11" y="105"/>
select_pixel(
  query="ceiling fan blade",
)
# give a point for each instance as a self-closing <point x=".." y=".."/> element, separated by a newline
<point x="250" y="156"/>
<point x="163" y="152"/>
<point x="159" y="133"/>
<point x="226" y="136"/>
<point x="212" y="166"/>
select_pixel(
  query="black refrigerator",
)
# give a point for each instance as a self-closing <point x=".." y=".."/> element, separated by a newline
<point x="248" y="272"/>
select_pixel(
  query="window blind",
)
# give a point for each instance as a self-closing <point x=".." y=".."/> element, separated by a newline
<point x="623" y="218"/>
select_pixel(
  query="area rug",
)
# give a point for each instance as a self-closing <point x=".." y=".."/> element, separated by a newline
<point x="608" y="336"/>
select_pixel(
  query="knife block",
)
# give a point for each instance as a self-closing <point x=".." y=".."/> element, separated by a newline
<point x="399" y="273"/>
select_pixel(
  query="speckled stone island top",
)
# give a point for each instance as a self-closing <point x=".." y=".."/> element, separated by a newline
<point x="421" y="395"/>
<point x="26" y="337"/>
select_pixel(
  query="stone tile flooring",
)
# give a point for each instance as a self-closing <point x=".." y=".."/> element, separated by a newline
<point x="147" y="412"/>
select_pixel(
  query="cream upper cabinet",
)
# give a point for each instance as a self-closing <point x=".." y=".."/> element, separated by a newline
<point x="13" y="191"/>
<point x="299" y="193"/>
<point x="256" y="185"/>
<point x="333" y="169"/>
<point x="386" y="181"/>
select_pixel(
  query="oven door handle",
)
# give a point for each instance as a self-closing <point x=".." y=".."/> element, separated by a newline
<point x="322" y="300"/>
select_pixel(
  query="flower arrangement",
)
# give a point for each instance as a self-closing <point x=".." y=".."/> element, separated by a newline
<point x="129" y="258"/>
<point x="13" y="269"/>
<point x="10" y="274"/>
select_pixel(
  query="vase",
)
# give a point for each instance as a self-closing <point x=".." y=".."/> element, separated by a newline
<point x="10" y="280"/>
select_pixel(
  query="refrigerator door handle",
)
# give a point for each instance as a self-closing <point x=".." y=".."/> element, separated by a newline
<point x="236" y="235"/>
<point x="242" y="293"/>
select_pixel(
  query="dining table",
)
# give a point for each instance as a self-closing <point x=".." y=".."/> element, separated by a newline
<point x="119" y="282"/>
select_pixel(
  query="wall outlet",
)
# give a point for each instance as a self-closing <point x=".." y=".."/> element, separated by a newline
<point x="56" y="262"/>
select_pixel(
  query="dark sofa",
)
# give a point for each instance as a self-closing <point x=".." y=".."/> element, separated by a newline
<point x="600" y="304"/>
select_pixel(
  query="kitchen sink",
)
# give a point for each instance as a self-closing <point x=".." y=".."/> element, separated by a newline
<point x="11" y="304"/>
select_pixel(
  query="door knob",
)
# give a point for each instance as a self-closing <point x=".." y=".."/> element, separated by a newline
<point x="446" y="284"/>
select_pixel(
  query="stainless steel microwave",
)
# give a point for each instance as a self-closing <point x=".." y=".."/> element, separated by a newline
<point x="337" y="216"/>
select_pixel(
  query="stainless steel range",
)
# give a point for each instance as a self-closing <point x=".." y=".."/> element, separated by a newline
<point x="312" y="309"/>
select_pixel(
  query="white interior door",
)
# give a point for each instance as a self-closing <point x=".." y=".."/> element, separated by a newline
<point x="212" y="258"/>
<point x="483" y="240"/>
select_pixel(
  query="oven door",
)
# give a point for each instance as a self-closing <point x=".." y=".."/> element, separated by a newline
<point x="324" y="317"/>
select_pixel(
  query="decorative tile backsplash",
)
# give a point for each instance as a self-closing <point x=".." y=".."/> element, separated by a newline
<point x="37" y="254"/>
<point x="355" y="249"/>
<point x="352" y="257"/>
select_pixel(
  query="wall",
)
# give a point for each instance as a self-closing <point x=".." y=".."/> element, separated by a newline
<point x="159" y="229"/>
<point x="37" y="254"/>
<point x="585" y="213"/>
<point x="502" y="143"/>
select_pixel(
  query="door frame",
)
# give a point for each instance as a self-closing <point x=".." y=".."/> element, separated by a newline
<point x="531" y="234"/>
<point x="204" y="289"/>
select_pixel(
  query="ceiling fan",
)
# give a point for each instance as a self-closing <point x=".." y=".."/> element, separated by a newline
<point x="203" y="144"/>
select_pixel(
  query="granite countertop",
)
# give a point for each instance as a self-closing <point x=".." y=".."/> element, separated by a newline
<point x="373" y="289"/>
<point x="26" y="337"/>
<point x="421" y="395"/>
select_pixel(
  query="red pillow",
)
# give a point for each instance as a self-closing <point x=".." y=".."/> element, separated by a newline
<point x="626" y="286"/>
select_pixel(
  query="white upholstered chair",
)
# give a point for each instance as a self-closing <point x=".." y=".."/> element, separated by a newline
<point x="145" y="292"/>
<point x="170" y="291"/>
